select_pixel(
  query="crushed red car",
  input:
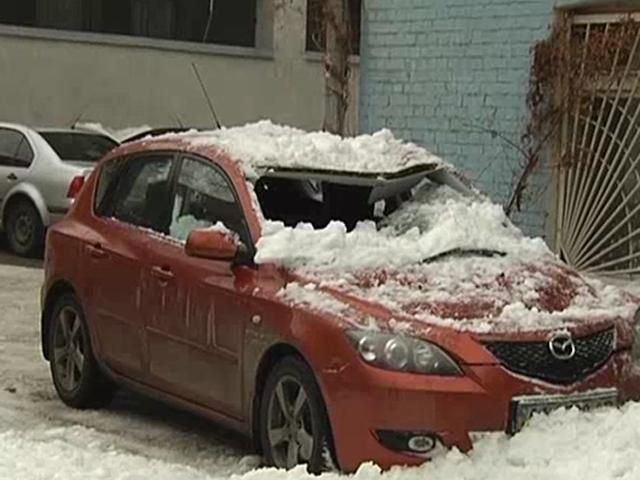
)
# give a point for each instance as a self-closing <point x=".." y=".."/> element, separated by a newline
<point x="336" y="300"/>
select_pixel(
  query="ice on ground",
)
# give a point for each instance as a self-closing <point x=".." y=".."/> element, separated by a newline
<point x="566" y="445"/>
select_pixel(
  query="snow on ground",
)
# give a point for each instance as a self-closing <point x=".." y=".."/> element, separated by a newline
<point x="136" y="439"/>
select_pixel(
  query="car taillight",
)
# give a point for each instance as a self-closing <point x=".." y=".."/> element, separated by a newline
<point x="75" y="186"/>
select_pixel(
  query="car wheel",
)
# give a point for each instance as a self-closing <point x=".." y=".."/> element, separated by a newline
<point x="75" y="372"/>
<point x="24" y="229"/>
<point x="294" y="426"/>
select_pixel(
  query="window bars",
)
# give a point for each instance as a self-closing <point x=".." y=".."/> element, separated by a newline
<point x="598" y="195"/>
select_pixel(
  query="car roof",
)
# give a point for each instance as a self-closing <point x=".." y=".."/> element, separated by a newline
<point x="263" y="147"/>
<point x="70" y="130"/>
<point x="25" y="128"/>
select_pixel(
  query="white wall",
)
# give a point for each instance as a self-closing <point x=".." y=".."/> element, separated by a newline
<point x="52" y="77"/>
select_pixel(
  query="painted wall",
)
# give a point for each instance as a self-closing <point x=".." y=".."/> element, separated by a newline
<point x="443" y="72"/>
<point x="53" y="77"/>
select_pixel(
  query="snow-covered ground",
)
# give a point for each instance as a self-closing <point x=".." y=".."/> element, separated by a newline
<point x="137" y="439"/>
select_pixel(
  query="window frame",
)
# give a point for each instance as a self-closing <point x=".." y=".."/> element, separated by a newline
<point x="16" y="163"/>
<point x="177" y="157"/>
<point x="114" y="190"/>
<point x="245" y="237"/>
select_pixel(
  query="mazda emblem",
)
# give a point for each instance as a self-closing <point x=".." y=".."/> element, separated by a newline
<point x="561" y="346"/>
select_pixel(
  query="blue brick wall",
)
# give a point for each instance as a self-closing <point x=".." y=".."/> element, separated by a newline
<point x="442" y="72"/>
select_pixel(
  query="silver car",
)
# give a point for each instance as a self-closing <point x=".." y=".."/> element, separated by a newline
<point x="41" y="171"/>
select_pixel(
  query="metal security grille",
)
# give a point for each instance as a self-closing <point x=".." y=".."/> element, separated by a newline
<point x="598" y="196"/>
<point x="534" y="359"/>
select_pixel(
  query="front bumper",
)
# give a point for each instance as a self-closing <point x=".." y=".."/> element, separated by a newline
<point x="362" y="400"/>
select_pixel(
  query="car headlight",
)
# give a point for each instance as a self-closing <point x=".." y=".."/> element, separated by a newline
<point x="401" y="353"/>
<point x="635" y="351"/>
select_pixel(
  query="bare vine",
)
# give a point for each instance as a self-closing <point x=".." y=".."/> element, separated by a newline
<point x="568" y="69"/>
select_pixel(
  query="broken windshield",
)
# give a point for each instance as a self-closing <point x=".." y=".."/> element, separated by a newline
<point x="294" y="197"/>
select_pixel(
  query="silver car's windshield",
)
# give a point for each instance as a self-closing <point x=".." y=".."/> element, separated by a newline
<point x="79" y="147"/>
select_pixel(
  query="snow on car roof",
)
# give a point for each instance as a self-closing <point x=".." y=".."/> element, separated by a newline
<point x="264" y="146"/>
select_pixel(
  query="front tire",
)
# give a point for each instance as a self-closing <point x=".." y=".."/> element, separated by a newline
<point x="74" y="370"/>
<point x="24" y="229"/>
<point x="293" y="424"/>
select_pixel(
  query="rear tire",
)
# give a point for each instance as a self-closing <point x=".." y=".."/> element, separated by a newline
<point x="293" y="424"/>
<point x="74" y="370"/>
<point x="24" y="229"/>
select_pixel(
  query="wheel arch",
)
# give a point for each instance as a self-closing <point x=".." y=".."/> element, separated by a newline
<point x="271" y="357"/>
<point x="27" y="192"/>
<point x="57" y="290"/>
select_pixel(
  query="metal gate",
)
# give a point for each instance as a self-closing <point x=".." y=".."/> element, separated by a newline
<point x="598" y="194"/>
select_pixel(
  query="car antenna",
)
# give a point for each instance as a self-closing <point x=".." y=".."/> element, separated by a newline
<point x="178" y="120"/>
<point x="206" y="95"/>
<point x="76" y="119"/>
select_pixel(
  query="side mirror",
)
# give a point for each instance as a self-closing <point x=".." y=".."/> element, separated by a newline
<point x="212" y="244"/>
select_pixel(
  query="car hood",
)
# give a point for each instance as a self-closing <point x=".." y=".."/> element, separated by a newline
<point x="475" y="294"/>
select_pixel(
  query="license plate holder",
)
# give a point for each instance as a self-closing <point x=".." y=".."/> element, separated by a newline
<point x="524" y="407"/>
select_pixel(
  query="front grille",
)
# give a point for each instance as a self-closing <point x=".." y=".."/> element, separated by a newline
<point x="534" y="359"/>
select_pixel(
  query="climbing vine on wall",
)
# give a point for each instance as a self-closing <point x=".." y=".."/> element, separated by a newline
<point x="568" y="69"/>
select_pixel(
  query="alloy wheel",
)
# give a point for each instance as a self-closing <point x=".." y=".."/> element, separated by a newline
<point x="24" y="229"/>
<point x="289" y="426"/>
<point x="68" y="349"/>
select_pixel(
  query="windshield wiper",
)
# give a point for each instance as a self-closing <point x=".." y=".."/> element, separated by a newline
<point x="465" y="252"/>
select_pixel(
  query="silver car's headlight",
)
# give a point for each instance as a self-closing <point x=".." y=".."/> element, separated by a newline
<point x="635" y="351"/>
<point x="401" y="353"/>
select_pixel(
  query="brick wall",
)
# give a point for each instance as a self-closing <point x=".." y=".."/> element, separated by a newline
<point x="438" y="72"/>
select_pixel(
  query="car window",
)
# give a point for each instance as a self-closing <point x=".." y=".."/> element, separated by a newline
<point x="143" y="192"/>
<point x="106" y="185"/>
<point x="15" y="150"/>
<point x="79" y="146"/>
<point x="203" y="198"/>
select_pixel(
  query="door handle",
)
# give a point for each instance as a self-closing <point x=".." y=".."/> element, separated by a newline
<point x="164" y="274"/>
<point x="96" y="251"/>
<point x="12" y="176"/>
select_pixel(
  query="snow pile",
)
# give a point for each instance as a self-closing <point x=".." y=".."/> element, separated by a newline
<point x="526" y="289"/>
<point x="80" y="453"/>
<point x="486" y="295"/>
<point x="567" y="445"/>
<point x="263" y="145"/>
<point x="438" y="220"/>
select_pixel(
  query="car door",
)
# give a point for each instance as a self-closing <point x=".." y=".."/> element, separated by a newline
<point x="16" y="156"/>
<point x="199" y="310"/>
<point x="128" y="208"/>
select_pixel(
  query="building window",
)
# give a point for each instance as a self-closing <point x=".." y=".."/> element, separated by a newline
<point x="229" y="23"/>
<point x="316" y="35"/>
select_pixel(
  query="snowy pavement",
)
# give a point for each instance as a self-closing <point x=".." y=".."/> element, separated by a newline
<point x="137" y="439"/>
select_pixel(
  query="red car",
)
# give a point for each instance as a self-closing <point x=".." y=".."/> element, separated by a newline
<point x="336" y="300"/>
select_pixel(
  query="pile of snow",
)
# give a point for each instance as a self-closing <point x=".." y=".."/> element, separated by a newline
<point x="527" y="289"/>
<point x="263" y="145"/>
<point x="437" y="220"/>
<point x="567" y="445"/>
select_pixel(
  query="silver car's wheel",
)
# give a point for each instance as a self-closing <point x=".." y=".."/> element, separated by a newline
<point x="289" y="424"/>
<point x="293" y="423"/>
<point x="24" y="229"/>
<point x="76" y="375"/>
